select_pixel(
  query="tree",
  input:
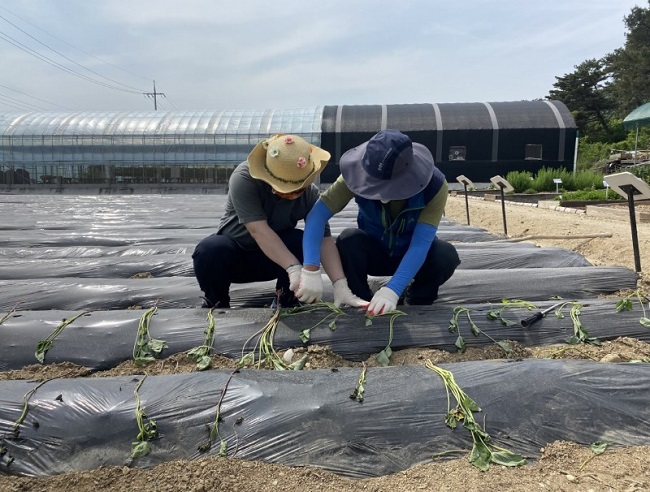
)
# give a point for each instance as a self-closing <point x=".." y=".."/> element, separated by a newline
<point x="630" y="65"/>
<point x="587" y="94"/>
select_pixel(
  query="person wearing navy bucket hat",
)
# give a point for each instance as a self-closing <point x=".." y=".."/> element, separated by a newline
<point x="401" y="197"/>
<point x="257" y="239"/>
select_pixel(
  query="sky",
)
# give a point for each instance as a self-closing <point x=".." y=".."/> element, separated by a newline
<point x="104" y="55"/>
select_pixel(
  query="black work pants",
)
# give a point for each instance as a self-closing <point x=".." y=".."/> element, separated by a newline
<point x="219" y="262"/>
<point x="361" y="256"/>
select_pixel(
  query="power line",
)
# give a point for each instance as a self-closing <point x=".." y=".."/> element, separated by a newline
<point x="73" y="46"/>
<point x="22" y="106"/>
<point x="34" y="97"/>
<point x="133" y="89"/>
<point x="41" y="57"/>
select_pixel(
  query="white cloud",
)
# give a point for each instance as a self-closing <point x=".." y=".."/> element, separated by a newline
<point x="254" y="54"/>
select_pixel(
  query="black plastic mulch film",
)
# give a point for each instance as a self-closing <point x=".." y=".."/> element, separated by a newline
<point x="59" y="259"/>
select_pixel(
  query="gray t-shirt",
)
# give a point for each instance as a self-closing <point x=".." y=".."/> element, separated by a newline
<point x="251" y="199"/>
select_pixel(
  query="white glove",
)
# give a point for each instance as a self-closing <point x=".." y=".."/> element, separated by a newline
<point x="384" y="301"/>
<point x="343" y="295"/>
<point x="294" y="276"/>
<point x="311" y="286"/>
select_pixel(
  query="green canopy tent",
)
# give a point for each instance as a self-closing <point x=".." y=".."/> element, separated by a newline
<point x="636" y="119"/>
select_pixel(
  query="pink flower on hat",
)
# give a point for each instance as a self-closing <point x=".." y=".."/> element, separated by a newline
<point x="288" y="140"/>
<point x="302" y="162"/>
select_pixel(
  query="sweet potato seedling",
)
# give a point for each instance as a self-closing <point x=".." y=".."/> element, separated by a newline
<point x="145" y="346"/>
<point x="147" y="427"/>
<point x="384" y="356"/>
<point x="359" y="390"/>
<point x="264" y="352"/>
<point x="44" y="345"/>
<point x="626" y="304"/>
<point x="498" y="313"/>
<point x="214" y="427"/>
<point x="483" y="453"/>
<point x="454" y="327"/>
<point x="201" y="354"/>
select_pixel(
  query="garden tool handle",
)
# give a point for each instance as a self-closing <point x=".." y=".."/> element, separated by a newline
<point x="532" y="319"/>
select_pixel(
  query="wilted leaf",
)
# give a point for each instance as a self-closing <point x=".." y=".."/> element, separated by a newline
<point x="480" y="456"/>
<point x="140" y="449"/>
<point x="505" y="346"/>
<point x="506" y="458"/>
<point x="223" y="449"/>
<point x="299" y="364"/>
<point x="41" y="349"/>
<point x="460" y="344"/>
<point x="383" y="357"/>
<point x="156" y="346"/>
<point x="305" y="334"/>
<point x="204" y="363"/>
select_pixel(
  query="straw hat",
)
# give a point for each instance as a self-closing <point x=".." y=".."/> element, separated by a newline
<point x="387" y="167"/>
<point x="287" y="162"/>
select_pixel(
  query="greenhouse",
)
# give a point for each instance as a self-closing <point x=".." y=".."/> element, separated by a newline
<point x="202" y="148"/>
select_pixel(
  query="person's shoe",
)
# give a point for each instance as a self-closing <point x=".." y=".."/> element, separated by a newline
<point x="222" y="304"/>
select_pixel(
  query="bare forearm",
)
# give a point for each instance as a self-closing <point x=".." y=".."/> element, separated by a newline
<point x="272" y="246"/>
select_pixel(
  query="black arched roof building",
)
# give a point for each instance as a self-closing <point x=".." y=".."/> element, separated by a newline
<point x="478" y="140"/>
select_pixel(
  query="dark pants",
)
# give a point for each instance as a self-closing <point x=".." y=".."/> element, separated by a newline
<point x="361" y="256"/>
<point x="219" y="262"/>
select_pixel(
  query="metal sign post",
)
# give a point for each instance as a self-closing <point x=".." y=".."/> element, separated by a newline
<point x="505" y="187"/>
<point x="466" y="182"/>
<point x="627" y="184"/>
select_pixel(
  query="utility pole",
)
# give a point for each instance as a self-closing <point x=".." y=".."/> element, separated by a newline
<point x="154" y="95"/>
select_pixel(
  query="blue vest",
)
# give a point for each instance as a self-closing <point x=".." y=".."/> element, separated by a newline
<point x="395" y="236"/>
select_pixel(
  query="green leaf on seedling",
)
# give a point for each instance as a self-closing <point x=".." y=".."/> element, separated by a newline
<point x="645" y="322"/>
<point x="507" y="458"/>
<point x="474" y="328"/>
<point x="305" y="334"/>
<point x="140" y="449"/>
<point x="41" y="349"/>
<point x="574" y="340"/>
<point x="493" y="314"/>
<point x="383" y="357"/>
<point x="332" y="325"/>
<point x="460" y="344"/>
<point x="599" y="447"/>
<point x="204" y="362"/>
<point x="368" y="320"/>
<point x="157" y="346"/>
<point x="505" y="346"/>
<point x="624" y="304"/>
<point x="223" y="449"/>
<point x="471" y="404"/>
<point x="480" y="456"/>
<point x="451" y="420"/>
<point x="299" y="364"/>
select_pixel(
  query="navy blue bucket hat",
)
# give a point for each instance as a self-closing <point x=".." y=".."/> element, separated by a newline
<point x="387" y="167"/>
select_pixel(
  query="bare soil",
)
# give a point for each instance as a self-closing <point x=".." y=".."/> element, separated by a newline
<point x="564" y="466"/>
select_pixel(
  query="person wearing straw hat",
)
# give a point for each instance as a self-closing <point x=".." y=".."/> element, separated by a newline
<point x="257" y="238"/>
<point x="401" y="197"/>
